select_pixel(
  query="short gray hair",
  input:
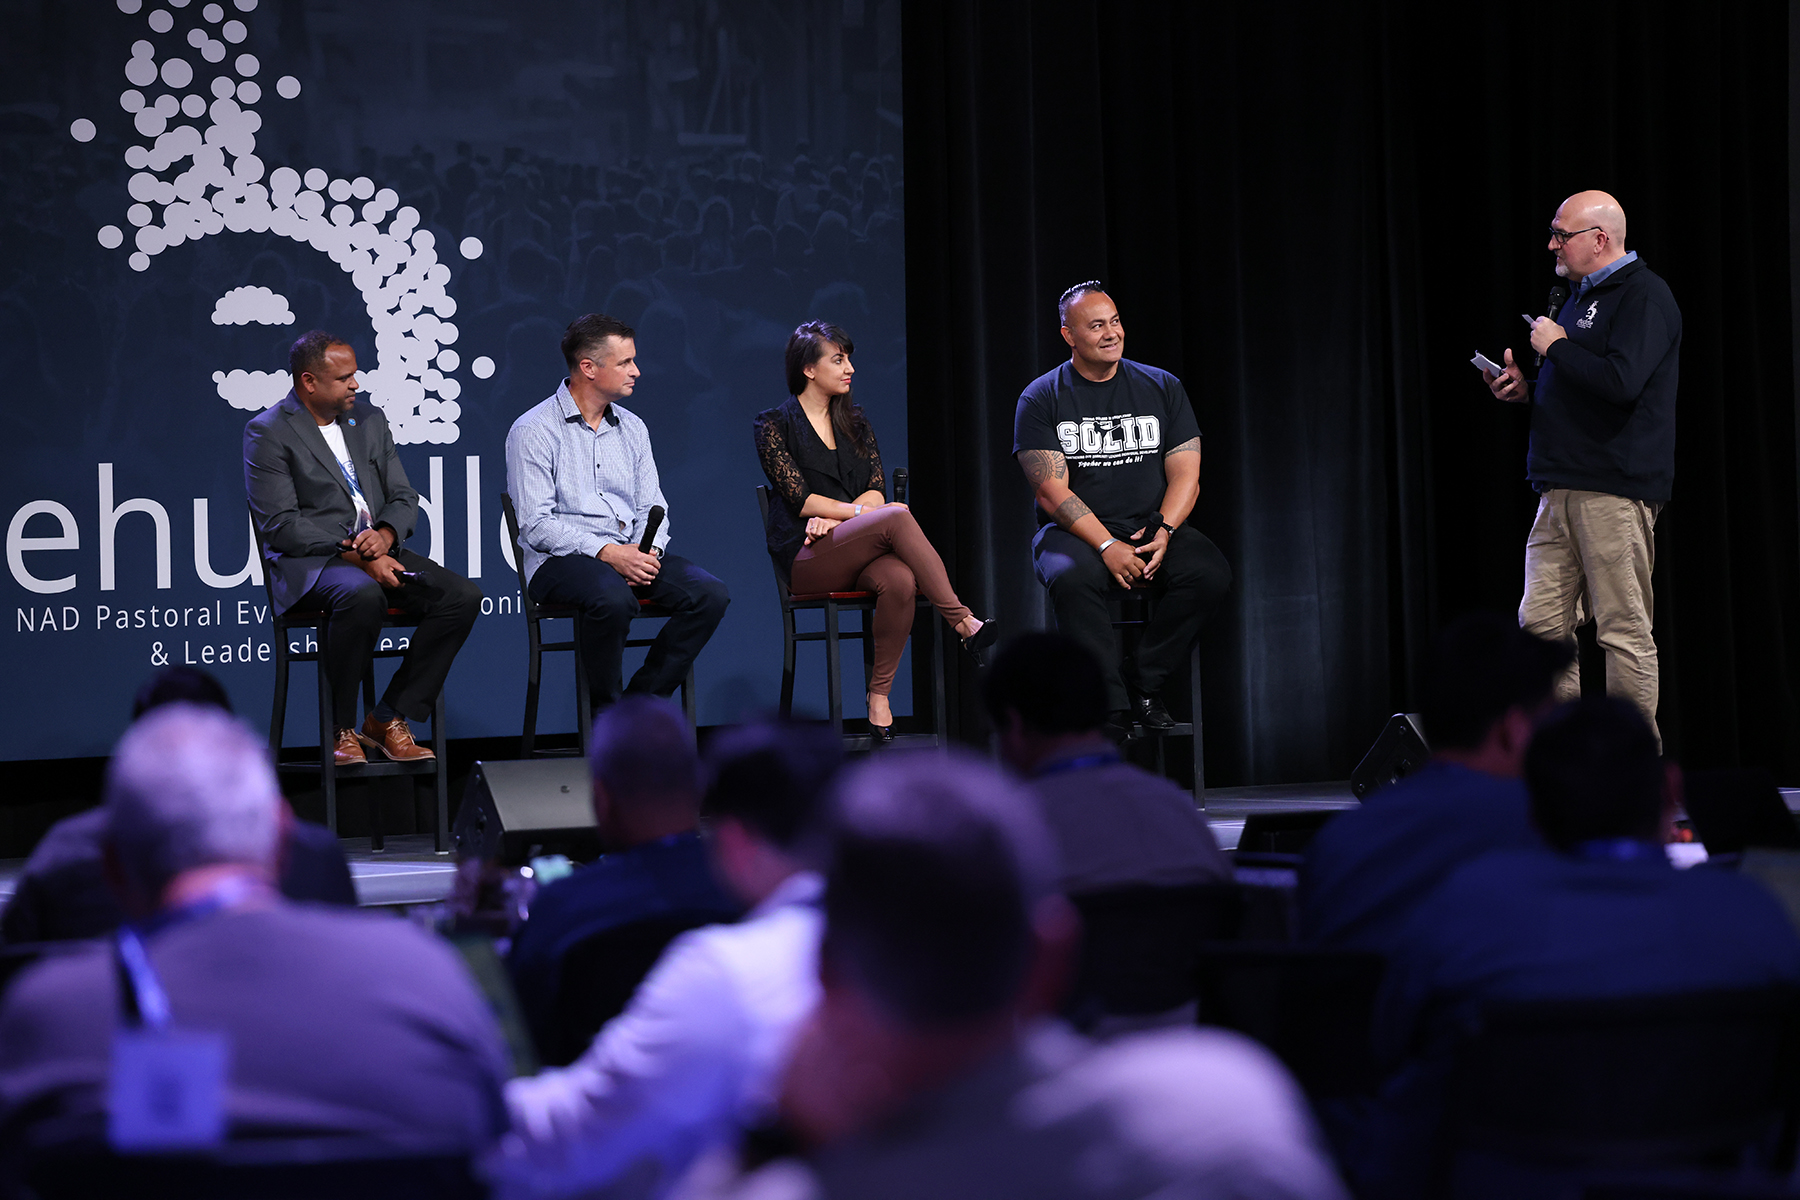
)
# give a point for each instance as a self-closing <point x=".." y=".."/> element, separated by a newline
<point x="190" y="786"/>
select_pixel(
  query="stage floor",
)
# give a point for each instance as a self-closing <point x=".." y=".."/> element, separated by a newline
<point x="410" y="872"/>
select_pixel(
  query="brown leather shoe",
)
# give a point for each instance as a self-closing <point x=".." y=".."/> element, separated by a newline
<point x="348" y="751"/>
<point x="393" y="739"/>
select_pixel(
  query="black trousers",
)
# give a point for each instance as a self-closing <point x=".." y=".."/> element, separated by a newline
<point x="444" y="606"/>
<point x="608" y="605"/>
<point x="1193" y="577"/>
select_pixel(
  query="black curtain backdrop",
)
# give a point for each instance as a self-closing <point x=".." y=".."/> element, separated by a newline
<point x="1314" y="215"/>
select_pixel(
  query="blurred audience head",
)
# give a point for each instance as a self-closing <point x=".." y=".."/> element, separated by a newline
<point x="189" y="786"/>
<point x="179" y="684"/>
<point x="765" y="788"/>
<point x="941" y="881"/>
<point x="1486" y="683"/>
<point x="1594" y="772"/>
<point x="1042" y="691"/>
<point x="646" y="772"/>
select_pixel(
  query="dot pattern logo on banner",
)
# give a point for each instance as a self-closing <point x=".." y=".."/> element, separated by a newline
<point x="205" y="178"/>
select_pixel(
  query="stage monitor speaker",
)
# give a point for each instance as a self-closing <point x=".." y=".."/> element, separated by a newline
<point x="1398" y="752"/>
<point x="514" y="811"/>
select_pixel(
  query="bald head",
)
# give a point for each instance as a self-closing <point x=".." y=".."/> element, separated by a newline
<point x="1594" y="208"/>
<point x="1587" y="234"/>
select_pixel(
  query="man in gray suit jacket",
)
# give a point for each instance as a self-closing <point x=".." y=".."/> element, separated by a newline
<point x="332" y="506"/>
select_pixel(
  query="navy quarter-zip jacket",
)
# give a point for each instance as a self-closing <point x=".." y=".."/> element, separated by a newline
<point x="1603" y="416"/>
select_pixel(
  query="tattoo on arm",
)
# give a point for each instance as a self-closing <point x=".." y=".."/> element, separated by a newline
<point x="1043" y="464"/>
<point x="1191" y="445"/>
<point x="1071" y="511"/>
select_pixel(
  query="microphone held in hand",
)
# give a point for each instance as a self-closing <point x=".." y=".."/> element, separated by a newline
<point x="1559" y="296"/>
<point x="652" y="524"/>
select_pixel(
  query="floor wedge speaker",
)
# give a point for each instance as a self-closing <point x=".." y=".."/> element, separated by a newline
<point x="1398" y="752"/>
<point x="514" y="811"/>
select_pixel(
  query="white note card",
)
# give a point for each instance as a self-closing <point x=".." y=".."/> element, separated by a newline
<point x="167" y="1090"/>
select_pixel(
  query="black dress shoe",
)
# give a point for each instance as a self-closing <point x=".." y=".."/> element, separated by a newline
<point x="1151" y="714"/>
<point x="880" y="735"/>
<point x="983" y="641"/>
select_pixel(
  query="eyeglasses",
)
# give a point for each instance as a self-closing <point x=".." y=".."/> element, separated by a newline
<point x="1562" y="239"/>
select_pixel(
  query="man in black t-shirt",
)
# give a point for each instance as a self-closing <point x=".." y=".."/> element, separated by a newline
<point x="1112" y="448"/>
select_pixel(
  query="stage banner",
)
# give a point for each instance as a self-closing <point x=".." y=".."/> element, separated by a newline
<point x="189" y="186"/>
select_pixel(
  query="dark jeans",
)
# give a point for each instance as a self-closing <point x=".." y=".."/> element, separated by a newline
<point x="1189" y="584"/>
<point x="608" y="604"/>
<point x="357" y="603"/>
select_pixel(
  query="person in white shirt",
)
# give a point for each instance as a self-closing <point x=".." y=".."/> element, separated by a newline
<point x="697" y="1054"/>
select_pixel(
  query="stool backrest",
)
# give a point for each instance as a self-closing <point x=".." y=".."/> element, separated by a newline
<point x="1314" y="1008"/>
<point x="518" y="555"/>
<point x="1140" y="946"/>
<point x="600" y="974"/>
<point x="783" y="587"/>
<point x="1627" y="1081"/>
<point x="268" y="573"/>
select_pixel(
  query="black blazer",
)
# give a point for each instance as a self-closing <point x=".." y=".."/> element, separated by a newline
<point x="798" y="464"/>
<point x="300" y="497"/>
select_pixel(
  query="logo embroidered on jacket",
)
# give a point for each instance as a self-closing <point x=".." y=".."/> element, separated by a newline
<point x="1587" y="319"/>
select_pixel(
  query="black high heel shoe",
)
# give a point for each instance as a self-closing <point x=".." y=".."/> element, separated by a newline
<point x="880" y="735"/>
<point x="984" y="640"/>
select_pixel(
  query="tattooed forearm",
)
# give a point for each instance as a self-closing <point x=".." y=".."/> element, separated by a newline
<point x="1192" y="444"/>
<point x="1071" y="511"/>
<point x="1043" y="464"/>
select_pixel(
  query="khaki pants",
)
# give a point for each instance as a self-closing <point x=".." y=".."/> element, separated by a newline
<point x="1591" y="553"/>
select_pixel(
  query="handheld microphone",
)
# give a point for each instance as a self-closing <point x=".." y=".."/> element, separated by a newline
<point x="652" y="523"/>
<point x="1559" y="296"/>
<point x="900" y="478"/>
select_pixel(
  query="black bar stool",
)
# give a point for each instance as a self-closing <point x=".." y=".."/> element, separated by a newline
<point x="1133" y="610"/>
<point x="536" y="613"/>
<point x="318" y="621"/>
<point x="833" y="605"/>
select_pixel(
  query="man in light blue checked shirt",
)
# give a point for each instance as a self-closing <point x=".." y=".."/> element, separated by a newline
<point x="581" y="474"/>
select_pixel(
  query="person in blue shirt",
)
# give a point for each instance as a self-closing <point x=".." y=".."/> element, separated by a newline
<point x="1598" y="912"/>
<point x="1370" y="868"/>
<point x="647" y="789"/>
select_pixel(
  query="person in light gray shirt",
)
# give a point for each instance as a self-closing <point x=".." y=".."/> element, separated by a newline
<point x="583" y="481"/>
<point x="1116" y="825"/>
<point x="337" y="1022"/>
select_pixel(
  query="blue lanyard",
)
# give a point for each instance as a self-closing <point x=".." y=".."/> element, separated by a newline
<point x="1619" y="850"/>
<point x="1102" y="759"/>
<point x="141" y="989"/>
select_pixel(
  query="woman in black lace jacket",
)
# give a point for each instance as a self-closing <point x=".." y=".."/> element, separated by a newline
<point x="832" y="525"/>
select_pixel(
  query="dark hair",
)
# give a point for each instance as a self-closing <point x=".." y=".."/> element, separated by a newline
<point x="1482" y="665"/>
<point x="938" y="865"/>
<point x="586" y="336"/>
<point x="642" y="751"/>
<point x="308" y="352"/>
<point x="772" y="776"/>
<point x="806" y="346"/>
<point x="1051" y="680"/>
<point x="1065" y="301"/>
<point x="1593" y="771"/>
<point x="179" y="685"/>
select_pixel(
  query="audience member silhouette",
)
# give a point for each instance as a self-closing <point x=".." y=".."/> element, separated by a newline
<point x="646" y="795"/>
<point x="62" y="894"/>
<point x="928" y="1069"/>
<point x="1369" y="869"/>
<point x="1116" y="825"/>
<point x="338" y="1022"/>
<point x="700" y="1048"/>
<point x="1598" y="912"/>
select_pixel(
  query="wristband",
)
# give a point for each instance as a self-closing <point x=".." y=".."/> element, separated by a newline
<point x="1167" y="526"/>
<point x="1103" y="545"/>
<point x="856" y="510"/>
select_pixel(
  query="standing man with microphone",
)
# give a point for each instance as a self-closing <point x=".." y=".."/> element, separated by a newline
<point x="1602" y="454"/>
<point x="591" y="517"/>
